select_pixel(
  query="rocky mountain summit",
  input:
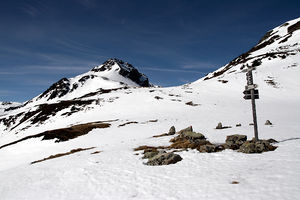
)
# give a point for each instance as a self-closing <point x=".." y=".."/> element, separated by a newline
<point x="125" y="69"/>
<point x="113" y="73"/>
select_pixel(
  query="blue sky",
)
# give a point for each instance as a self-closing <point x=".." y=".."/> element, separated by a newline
<point x="171" y="41"/>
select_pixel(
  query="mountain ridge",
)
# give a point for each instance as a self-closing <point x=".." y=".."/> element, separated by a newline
<point x="108" y="83"/>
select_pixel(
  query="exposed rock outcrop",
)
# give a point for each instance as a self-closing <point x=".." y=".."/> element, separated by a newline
<point x="259" y="146"/>
<point x="164" y="159"/>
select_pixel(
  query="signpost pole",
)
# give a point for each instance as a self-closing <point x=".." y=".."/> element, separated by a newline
<point x="250" y="82"/>
<point x="254" y="115"/>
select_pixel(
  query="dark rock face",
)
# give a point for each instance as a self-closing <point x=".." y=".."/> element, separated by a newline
<point x="58" y="89"/>
<point x="208" y="148"/>
<point x="259" y="146"/>
<point x="235" y="141"/>
<point x="192" y="136"/>
<point x="164" y="159"/>
<point x="172" y="131"/>
<point x="294" y="27"/>
<point x="188" y="129"/>
<point x="85" y="78"/>
<point x="268" y="122"/>
<point x="126" y="70"/>
<point x="219" y="126"/>
<point x="150" y="154"/>
<point x="4" y="103"/>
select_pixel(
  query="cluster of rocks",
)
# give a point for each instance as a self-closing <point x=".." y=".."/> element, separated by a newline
<point x="220" y="125"/>
<point x="240" y="143"/>
<point x="188" y="139"/>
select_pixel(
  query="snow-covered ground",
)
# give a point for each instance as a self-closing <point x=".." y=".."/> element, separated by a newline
<point x="6" y="105"/>
<point x="118" y="173"/>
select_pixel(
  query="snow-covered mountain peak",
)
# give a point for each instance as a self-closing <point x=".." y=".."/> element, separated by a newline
<point x="112" y="74"/>
<point x="124" y="69"/>
<point x="282" y="32"/>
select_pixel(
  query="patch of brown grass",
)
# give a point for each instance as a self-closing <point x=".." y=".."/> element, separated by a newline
<point x="161" y="135"/>
<point x="153" y="120"/>
<point x="146" y="148"/>
<point x="72" y="132"/>
<point x="62" y="154"/>
<point x="190" y="103"/>
<point x="96" y="152"/>
<point x="133" y="122"/>
<point x="64" y="134"/>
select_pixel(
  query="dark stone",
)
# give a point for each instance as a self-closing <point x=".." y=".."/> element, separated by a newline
<point x="219" y="126"/>
<point x="294" y="27"/>
<point x="58" y="89"/>
<point x="271" y="140"/>
<point x="192" y="136"/>
<point x="259" y="146"/>
<point x="150" y="154"/>
<point x="235" y="141"/>
<point x="164" y="159"/>
<point x="209" y="148"/>
<point x="172" y="131"/>
<point x="188" y="129"/>
<point x="268" y="122"/>
<point x="220" y="147"/>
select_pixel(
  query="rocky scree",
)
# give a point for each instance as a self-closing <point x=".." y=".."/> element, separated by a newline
<point x="188" y="139"/>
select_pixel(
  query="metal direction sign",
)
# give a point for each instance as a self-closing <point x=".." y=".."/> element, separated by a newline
<point x="251" y="92"/>
<point x="250" y="87"/>
<point x="247" y="94"/>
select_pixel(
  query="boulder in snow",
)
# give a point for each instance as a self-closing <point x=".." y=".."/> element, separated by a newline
<point x="164" y="159"/>
<point x="172" y="131"/>
<point x="259" y="146"/>
<point x="235" y="141"/>
<point x="268" y="122"/>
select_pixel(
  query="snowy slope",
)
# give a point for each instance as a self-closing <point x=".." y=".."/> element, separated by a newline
<point x="6" y="105"/>
<point x="117" y="173"/>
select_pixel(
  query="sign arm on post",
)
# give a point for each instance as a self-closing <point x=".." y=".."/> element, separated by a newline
<point x="252" y="93"/>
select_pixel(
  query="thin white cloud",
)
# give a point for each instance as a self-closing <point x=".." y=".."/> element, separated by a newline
<point x="184" y="80"/>
<point x="56" y="68"/>
<point x="30" y="10"/>
<point x="7" y="93"/>
<point x="199" y="65"/>
<point x="34" y="8"/>
<point x="170" y="70"/>
<point x="89" y="4"/>
<point x="38" y="82"/>
<point x="9" y="73"/>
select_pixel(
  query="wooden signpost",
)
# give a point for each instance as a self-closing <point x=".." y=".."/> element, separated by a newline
<point x="251" y="92"/>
